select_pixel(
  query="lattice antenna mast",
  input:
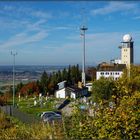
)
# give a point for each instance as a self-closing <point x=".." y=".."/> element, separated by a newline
<point x="83" y="29"/>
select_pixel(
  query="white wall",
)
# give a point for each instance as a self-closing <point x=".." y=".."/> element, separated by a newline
<point x="72" y="95"/>
<point x="89" y="86"/>
<point x="125" y="56"/>
<point x="117" y="61"/>
<point x="114" y="74"/>
<point x="61" y="93"/>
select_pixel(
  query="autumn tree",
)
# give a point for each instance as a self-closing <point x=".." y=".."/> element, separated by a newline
<point x="29" y="89"/>
<point x="121" y="122"/>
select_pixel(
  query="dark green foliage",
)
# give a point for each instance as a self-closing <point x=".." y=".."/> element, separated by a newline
<point x="1" y="93"/>
<point x="19" y="86"/>
<point x="49" y="82"/>
<point x="64" y="74"/>
<point x="79" y="126"/>
<point x="102" y="89"/>
<point x="44" y="81"/>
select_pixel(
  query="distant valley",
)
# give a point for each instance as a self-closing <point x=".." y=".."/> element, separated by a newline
<point x="25" y="73"/>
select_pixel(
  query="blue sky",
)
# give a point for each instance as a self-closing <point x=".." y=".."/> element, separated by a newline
<point x="47" y="33"/>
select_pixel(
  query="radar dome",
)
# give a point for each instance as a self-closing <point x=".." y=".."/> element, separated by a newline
<point x="127" y="38"/>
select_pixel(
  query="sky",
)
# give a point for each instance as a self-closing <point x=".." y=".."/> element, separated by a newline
<point x="48" y="32"/>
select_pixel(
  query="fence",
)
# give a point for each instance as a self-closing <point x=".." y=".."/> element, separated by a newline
<point x="22" y="116"/>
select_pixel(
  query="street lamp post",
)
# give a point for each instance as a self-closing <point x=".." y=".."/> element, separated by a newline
<point x="13" y="54"/>
<point x="83" y="29"/>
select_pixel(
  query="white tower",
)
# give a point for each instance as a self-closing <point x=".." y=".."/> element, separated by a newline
<point x="127" y="56"/>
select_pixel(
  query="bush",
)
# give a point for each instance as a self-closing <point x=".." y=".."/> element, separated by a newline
<point x="11" y="128"/>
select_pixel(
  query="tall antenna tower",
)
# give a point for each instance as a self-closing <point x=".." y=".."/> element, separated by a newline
<point x="83" y="30"/>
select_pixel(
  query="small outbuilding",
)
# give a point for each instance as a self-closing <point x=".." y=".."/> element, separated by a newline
<point x="71" y="92"/>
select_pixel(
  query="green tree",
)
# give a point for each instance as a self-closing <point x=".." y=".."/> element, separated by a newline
<point x="78" y="73"/>
<point x="64" y="74"/>
<point x="59" y="76"/>
<point x="44" y="81"/>
<point x="69" y="81"/>
<point x="126" y="86"/>
<point x="19" y="86"/>
<point x="121" y="122"/>
<point x="102" y="89"/>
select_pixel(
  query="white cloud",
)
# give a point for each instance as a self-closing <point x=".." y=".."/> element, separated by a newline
<point x="99" y="46"/>
<point x="35" y="26"/>
<point x="62" y="28"/>
<point x="37" y="37"/>
<point x="19" y="18"/>
<point x="23" y="38"/>
<point x="114" y="6"/>
<point x="41" y="14"/>
<point x="138" y="17"/>
<point x="18" y="10"/>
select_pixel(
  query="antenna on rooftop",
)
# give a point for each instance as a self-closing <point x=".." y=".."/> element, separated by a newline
<point x="83" y="29"/>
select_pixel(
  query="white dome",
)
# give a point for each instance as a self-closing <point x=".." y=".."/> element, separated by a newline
<point x="127" y="38"/>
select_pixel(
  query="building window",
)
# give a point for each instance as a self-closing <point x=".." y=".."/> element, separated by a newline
<point x="102" y="73"/>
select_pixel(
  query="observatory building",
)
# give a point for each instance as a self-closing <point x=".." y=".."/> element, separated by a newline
<point x="127" y="56"/>
<point x="116" y="66"/>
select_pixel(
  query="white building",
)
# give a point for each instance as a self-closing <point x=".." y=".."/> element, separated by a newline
<point x="71" y="92"/>
<point x="116" y="61"/>
<point x="113" y="71"/>
<point x="61" y="93"/>
<point x="75" y="92"/>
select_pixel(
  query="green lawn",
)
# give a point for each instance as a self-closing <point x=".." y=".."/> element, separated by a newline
<point x="27" y="105"/>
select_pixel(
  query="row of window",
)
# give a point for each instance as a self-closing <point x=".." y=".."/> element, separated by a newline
<point x="110" y="73"/>
<point x="125" y="50"/>
<point x="116" y="78"/>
